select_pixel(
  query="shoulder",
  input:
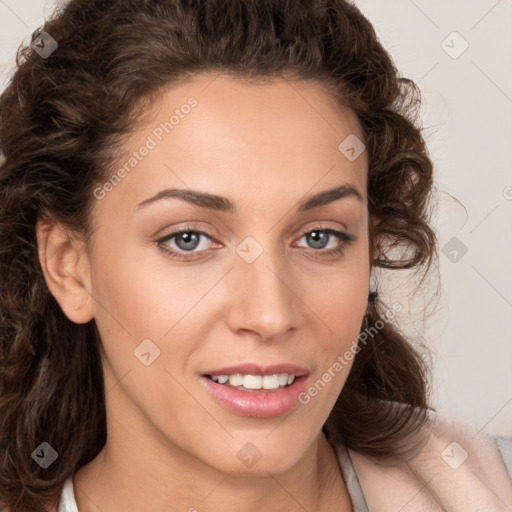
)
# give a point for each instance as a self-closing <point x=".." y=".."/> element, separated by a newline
<point x="457" y="468"/>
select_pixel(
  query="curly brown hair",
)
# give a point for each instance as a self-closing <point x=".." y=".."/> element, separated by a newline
<point x="63" y="119"/>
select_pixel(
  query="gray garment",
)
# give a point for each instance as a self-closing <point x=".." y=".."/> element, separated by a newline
<point x="504" y="445"/>
<point x="68" y="502"/>
<point x="351" y="480"/>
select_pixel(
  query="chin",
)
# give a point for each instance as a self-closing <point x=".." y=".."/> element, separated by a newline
<point x="258" y="455"/>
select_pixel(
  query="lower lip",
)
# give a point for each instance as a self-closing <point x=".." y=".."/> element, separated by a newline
<point x="257" y="404"/>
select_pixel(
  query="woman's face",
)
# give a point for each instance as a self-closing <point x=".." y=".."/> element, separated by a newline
<point x="256" y="284"/>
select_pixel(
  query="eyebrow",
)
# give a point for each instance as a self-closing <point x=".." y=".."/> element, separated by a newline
<point x="222" y="204"/>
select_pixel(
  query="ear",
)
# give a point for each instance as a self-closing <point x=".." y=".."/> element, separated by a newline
<point x="66" y="269"/>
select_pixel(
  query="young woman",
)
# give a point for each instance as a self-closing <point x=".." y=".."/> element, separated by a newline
<point x="193" y="197"/>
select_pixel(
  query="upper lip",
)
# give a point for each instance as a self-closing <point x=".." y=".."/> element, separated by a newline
<point x="256" y="369"/>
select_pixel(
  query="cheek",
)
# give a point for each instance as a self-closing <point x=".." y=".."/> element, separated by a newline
<point x="144" y="306"/>
<point x="341" y="305"/>
<point x="136" y="294"/>
<point x="343" y="299"/>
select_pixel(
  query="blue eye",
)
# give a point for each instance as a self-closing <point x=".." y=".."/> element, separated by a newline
<point x="187" y="239"/>
<point x="320" y="237"/>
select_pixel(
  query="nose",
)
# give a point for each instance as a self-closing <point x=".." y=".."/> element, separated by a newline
<point x="262" y="299"/>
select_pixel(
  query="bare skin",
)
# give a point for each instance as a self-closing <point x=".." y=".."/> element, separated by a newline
<point x="170" y="445"/>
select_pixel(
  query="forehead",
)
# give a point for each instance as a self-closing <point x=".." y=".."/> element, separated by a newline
<point x="256" y="108"/>
<point x="225" y="135"/>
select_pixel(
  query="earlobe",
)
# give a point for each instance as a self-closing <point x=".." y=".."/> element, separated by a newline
<point x="65" y="265"/>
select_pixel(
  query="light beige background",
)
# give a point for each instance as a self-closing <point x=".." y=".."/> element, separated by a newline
<point x="468" y="124"/>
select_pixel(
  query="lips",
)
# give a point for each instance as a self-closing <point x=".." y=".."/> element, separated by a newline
<point x="256" y="403"/>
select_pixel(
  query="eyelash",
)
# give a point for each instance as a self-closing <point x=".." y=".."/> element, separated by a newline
<point x="345" y="238"/>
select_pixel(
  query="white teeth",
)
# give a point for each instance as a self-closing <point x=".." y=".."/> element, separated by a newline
<point x="271" y="382"/>
<point x="236" y="380"/>
<point x="255" y="381"/>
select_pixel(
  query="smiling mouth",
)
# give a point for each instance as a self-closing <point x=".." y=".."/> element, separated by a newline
<point x="247" y="382"/>
<point x="254" y="390"/>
